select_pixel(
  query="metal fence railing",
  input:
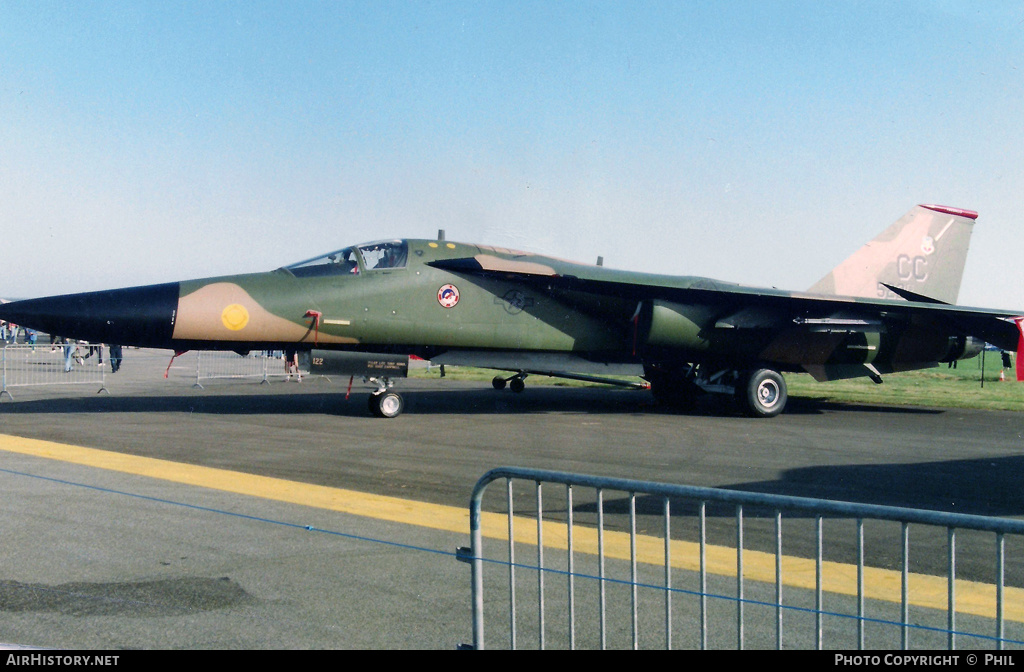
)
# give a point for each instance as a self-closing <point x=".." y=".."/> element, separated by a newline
<point x="215" y="364"/>
<point x="649" y="565"/>
<point x="42" y="364"/>
<point x="261" y="365"/>
<point x="68" y="364"/>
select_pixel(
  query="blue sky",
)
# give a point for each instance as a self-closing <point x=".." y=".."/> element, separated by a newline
<point x="758" y="142"/>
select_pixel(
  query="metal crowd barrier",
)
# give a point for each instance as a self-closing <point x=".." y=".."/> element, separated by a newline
<point x="211" y="364"/>
<point x="40" y="364"/>
<point x="741" y="587"/>
<point x="44" y="365"/>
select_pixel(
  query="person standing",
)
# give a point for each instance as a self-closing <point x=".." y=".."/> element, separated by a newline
<point x="115" y="357"/>
<point x="291" y="364"/>
<point x="69" y="354"/>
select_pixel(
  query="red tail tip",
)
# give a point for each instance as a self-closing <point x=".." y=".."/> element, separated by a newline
<point x="958" y="212"/>
<point x="1020" y="350"/>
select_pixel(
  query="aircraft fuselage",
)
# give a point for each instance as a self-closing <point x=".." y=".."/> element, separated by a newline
<point x="429" y="298"/>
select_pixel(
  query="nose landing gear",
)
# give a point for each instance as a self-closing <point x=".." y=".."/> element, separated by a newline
<point x="385" y="402"/>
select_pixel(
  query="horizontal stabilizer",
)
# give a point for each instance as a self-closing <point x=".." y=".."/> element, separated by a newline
<point x="911" y="296"/>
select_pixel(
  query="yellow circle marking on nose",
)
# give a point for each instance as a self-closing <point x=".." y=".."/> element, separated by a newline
<point x="235" y="317"/>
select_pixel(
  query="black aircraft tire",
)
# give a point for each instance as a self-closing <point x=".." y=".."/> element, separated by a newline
<point x="763" y="393"/>
<point x="373" y="403"/>
<point x="517" y="385"/>
<point x="498" y="383"/>
<point x="388" y="404"/>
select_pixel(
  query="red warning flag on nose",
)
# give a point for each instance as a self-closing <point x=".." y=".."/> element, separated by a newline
<point x="316" y="315"/>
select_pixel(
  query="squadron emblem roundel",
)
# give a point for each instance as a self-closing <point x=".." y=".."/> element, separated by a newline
<point x="448" y="296"/>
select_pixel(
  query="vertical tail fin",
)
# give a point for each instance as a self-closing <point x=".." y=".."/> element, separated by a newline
<point x="924" y="252"/>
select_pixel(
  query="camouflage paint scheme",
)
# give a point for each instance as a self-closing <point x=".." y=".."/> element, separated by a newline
<point x="911" y="256"/>
<point x="886" y="309"/>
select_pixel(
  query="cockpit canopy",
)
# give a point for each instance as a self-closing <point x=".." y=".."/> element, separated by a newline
<point x="377" y="256"/>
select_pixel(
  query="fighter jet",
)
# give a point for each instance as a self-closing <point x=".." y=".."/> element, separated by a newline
<point x="366" y="309"/>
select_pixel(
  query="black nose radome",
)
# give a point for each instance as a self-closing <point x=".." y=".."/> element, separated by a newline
<point x="142" y="316"/>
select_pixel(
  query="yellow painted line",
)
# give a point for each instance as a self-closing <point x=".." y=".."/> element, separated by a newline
<point x="880" y="584"/>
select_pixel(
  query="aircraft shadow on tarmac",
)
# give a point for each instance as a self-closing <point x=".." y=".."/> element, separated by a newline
<point x="984" y="486"/>
<point x="455" y="400"/>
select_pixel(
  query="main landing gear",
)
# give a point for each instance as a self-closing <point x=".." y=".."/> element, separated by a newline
<point x="759" y="393"/>
<point x="516" y="383"/>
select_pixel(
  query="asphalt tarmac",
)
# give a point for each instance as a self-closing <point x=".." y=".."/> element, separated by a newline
<point x="98" y="558"/>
